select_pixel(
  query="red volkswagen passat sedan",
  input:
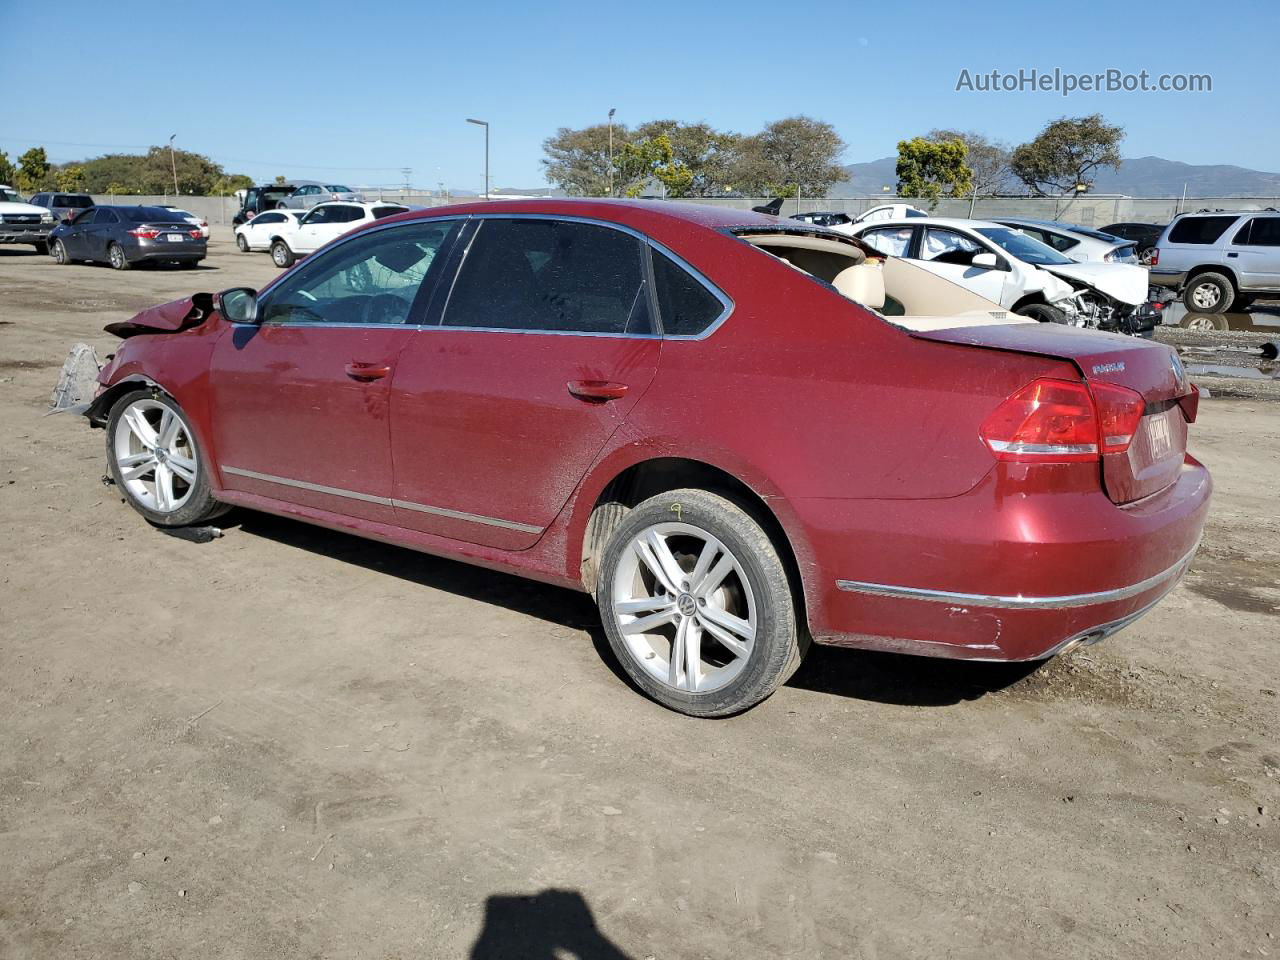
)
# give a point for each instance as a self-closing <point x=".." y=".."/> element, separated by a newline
<point x="738" y="432"/>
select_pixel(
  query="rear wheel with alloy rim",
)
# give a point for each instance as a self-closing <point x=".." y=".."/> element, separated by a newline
<point x="154" y="460"/>
<point x="1208" y="293"/>
<point x="281" y="255"/>
<point x="697" y="604"/>
<point x="115" y="253"/>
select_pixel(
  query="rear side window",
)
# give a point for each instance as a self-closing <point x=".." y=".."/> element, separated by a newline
<point x="105" y="216"/>
<point x="380" y="212"/>
<point x="551" y="275"/>
<point x="1259" y="232"/>
<point x="686" y="306"/>
<point x="72" y="200"/>
<point x="1200" y="229"/>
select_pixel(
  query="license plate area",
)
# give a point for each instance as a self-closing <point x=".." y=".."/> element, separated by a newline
<point x="174" y="237"/>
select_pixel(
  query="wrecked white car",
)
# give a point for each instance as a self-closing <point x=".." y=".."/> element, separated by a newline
<point x="1020" y="273"/>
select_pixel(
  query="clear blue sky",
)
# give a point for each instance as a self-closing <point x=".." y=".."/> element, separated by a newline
<point x="354" y="92"/>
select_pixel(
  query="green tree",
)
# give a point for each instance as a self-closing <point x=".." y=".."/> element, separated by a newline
<point x="8" y="172"/>
<point x="577" y="161"/>
<point x="1067" y="153"/>
<point x="34" y="172"/>
<point x="640" y="162"/>
<point x="703" y="156"/>
<point x="152" y="173"/>
<point x="988" y="160"/>
<point x="789" y="154"/>
<point x="69" y="178"/>
<point x="280" y="180"/>
<point x="926" y="169"/>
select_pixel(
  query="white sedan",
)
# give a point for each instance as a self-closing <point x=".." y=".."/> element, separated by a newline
<point x="258" y="232"/>
<point x="1083" y="244"/>
<point x="322" y="223"/>
<point x="1021" y="274"/>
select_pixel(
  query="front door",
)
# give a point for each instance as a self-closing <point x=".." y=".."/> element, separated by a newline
<point x="301" y="399"/>
<point x="1255" y="254"/>
<point x="950" y="254"/>
<point x="545" y="345"/>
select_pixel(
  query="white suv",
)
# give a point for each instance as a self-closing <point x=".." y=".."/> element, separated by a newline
<point x="325" y="222"/>
<point x="22" y="222"/>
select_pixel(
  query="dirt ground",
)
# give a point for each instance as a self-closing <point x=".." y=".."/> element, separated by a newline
<point x="291" y="743"/>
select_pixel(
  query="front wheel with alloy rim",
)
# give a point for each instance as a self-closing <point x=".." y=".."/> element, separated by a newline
<point x="697" y="604"/>
<point x="59" y="253"/>
<point x="242" y="243"/>
<point x="115" y="253"/>
<point x="281" y="255"/>
<point x="154" y="460"/>
<point x="1208" y="293"/>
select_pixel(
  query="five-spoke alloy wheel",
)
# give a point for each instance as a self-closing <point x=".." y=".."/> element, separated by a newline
<point x="697" y="604"/>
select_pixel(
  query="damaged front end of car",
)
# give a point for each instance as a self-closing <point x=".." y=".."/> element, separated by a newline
<point x="1114" y="299"/>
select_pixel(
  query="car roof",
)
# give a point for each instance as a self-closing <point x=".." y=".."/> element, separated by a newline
<point x="933" y="221"/>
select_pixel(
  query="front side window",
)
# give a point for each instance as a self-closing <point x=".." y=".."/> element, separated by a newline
<point x="551" y="275"/>
<point x="373" y="278"/>
<point x="318" y="215"/>
<point x="947" y="246"/>
<point x="686" y="307"/>
<point x="85" y="216"/>
<point x="1259" y="232"/>
<point x="1200" y="229"/>
<point x="891" y="241"/>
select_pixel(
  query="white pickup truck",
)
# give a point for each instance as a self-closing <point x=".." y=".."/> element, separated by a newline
<point x="22" y="222"/>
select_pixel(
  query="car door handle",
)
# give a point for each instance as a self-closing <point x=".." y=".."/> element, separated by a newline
<point x="597" y="391"/>
<point x="366" y="371"/>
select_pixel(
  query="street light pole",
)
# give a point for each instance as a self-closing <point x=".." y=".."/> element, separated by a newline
<point x="612" y="111"/>
<point x="174" y="164"/>
<point x="485" y="124"/>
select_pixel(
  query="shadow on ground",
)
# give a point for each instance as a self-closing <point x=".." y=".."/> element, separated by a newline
<point x="544" y="926"/>
<point x="862" y="675"/>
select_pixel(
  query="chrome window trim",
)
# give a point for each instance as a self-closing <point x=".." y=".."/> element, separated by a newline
<point x="654" y="246"/>
<point x="383" y="501"/>
<point x="1020" y="602"/>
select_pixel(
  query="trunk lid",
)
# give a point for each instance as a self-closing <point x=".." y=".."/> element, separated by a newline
<point x="1155" y="455"/>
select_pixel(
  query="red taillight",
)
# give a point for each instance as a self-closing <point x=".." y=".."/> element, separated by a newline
<point x="1155" y="256"/>
<point x="1061" y="421"/>
<point x="196" y="234"/>
<point x="144" y="233"/>
<point x="1190" y="404"/>
<point x="1119" y="413"/>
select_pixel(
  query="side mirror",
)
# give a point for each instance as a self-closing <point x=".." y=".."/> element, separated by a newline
<point x="985" y="260"/>
<point x="238" y="305"/>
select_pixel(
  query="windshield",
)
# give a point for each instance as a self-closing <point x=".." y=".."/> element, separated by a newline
<point x="10" y="196"/>
<point x="73" y="200"/>
<point x="1023" y="247"/>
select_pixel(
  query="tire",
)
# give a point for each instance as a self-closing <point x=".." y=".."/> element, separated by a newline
<point x="116" y="257"/>
<point x="1208" y="293"/>
<point x="281" y="255"/>
<point x="188" y="264"/>
<point x="1145" y="254"/>
<point x="242" y="243"/>
<point x="41" y="248"/>
<point x="752" y="645"/>
<point x="167" y="500"/>
<point x="59" y="254"/>
<point x="1042" y="312"/>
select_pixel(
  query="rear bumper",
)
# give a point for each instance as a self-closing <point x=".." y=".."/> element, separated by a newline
<point x="989" y="576"/>
<point x="165" y="250"/>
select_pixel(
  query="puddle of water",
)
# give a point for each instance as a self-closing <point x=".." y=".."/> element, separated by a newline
<point x="1222" y="370"/>
<point x="1260" y="318"/>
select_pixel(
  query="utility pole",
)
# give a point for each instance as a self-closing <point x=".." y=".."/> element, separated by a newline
<point x="485" y="124"/>
<point x="612" y="111"/>
<point x="174" y="164"/>
<point x="406" y="172"/>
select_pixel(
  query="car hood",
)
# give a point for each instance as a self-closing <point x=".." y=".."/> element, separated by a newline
<point x="12" y="206"/>
<point x="166" y="318"/>
<point x="1119" y="281"/>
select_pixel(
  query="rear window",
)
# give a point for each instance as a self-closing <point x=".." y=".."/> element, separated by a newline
<point x="78" y="200"/>
<point x="149" y="215"/>
<point x="1200" y="229"/>
<point x="686" y="306"/>
<point x="380" y="212"/>
<point x="338" y="188"/>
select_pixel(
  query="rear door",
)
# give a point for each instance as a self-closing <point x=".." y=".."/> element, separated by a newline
<point x="101" y="232"/>
<point x="1254" y="252"/>
<point x="301" y="401"/>
<point x="545" y="344"/>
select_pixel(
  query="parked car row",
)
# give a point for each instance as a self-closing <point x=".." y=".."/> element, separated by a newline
<point x="739" y="434"/>
<point x="296" y="195"/>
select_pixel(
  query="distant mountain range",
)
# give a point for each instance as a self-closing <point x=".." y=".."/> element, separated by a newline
<point x="1137" y="177"/>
